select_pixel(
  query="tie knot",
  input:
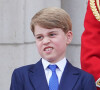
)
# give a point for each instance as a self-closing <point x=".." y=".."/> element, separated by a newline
<point x="52" y="67"/>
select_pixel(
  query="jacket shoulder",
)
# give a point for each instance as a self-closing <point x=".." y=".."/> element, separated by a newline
<point x="24" y="69"/>
<point x="83" y="73"/>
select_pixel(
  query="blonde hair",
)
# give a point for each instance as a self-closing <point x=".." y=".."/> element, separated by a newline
<point x="52" y="18"/>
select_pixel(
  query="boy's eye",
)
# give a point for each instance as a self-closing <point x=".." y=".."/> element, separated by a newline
<point x="39" y="37"/>
<point x="52" y="34"/>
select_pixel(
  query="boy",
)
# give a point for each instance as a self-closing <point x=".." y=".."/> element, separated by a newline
<point x="52" y="29"/>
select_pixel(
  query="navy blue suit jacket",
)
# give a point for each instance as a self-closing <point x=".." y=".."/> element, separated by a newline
<point x="32" y="77"/>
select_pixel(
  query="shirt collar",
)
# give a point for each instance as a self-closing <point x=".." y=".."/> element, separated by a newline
<point x="61" y="64"/>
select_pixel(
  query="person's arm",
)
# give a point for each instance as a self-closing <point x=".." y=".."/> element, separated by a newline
<point x="89" y="83"/>
<point x="90" y="42"/>
<point x="16" y="82"/>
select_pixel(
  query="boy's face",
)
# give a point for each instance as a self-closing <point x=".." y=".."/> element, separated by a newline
<point x="52" y="43"/>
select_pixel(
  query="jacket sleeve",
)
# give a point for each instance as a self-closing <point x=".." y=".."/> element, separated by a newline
<point x="90" y="43"/>
<point x="16" y="82"/>
<point x="89" y="83"/>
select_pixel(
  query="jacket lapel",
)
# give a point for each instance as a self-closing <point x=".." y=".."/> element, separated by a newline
<point x="37" y="77"/>
<point x="69" y="78"/>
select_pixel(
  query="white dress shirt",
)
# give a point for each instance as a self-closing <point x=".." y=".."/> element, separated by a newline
<point x="59" y="71"/>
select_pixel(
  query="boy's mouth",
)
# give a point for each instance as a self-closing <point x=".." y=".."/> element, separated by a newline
<point x="48" y="48"/>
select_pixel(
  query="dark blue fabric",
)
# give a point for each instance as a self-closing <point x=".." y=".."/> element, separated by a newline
<point x="32" y="77"/>
<point x="53" y="82"/>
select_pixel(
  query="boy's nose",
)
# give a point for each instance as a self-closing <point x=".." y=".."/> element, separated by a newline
<point x="46" y="40"/>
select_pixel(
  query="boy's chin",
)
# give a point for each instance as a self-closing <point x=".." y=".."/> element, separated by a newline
<point x="51" y="61"/>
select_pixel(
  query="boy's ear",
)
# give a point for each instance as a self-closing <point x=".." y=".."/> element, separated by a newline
<point x="69" y="36"/>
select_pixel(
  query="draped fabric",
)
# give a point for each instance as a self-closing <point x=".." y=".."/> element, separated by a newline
<point x="90" y="44"/>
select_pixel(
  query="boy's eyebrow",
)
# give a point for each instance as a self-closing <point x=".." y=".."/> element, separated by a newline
<point x="48" y="33"/>
<point x="38" y="35"/>
<point x="53" y="31"/>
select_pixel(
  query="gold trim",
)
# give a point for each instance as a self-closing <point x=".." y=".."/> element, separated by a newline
<point x="97" y="1"/>
<point x="94" y="9"/>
